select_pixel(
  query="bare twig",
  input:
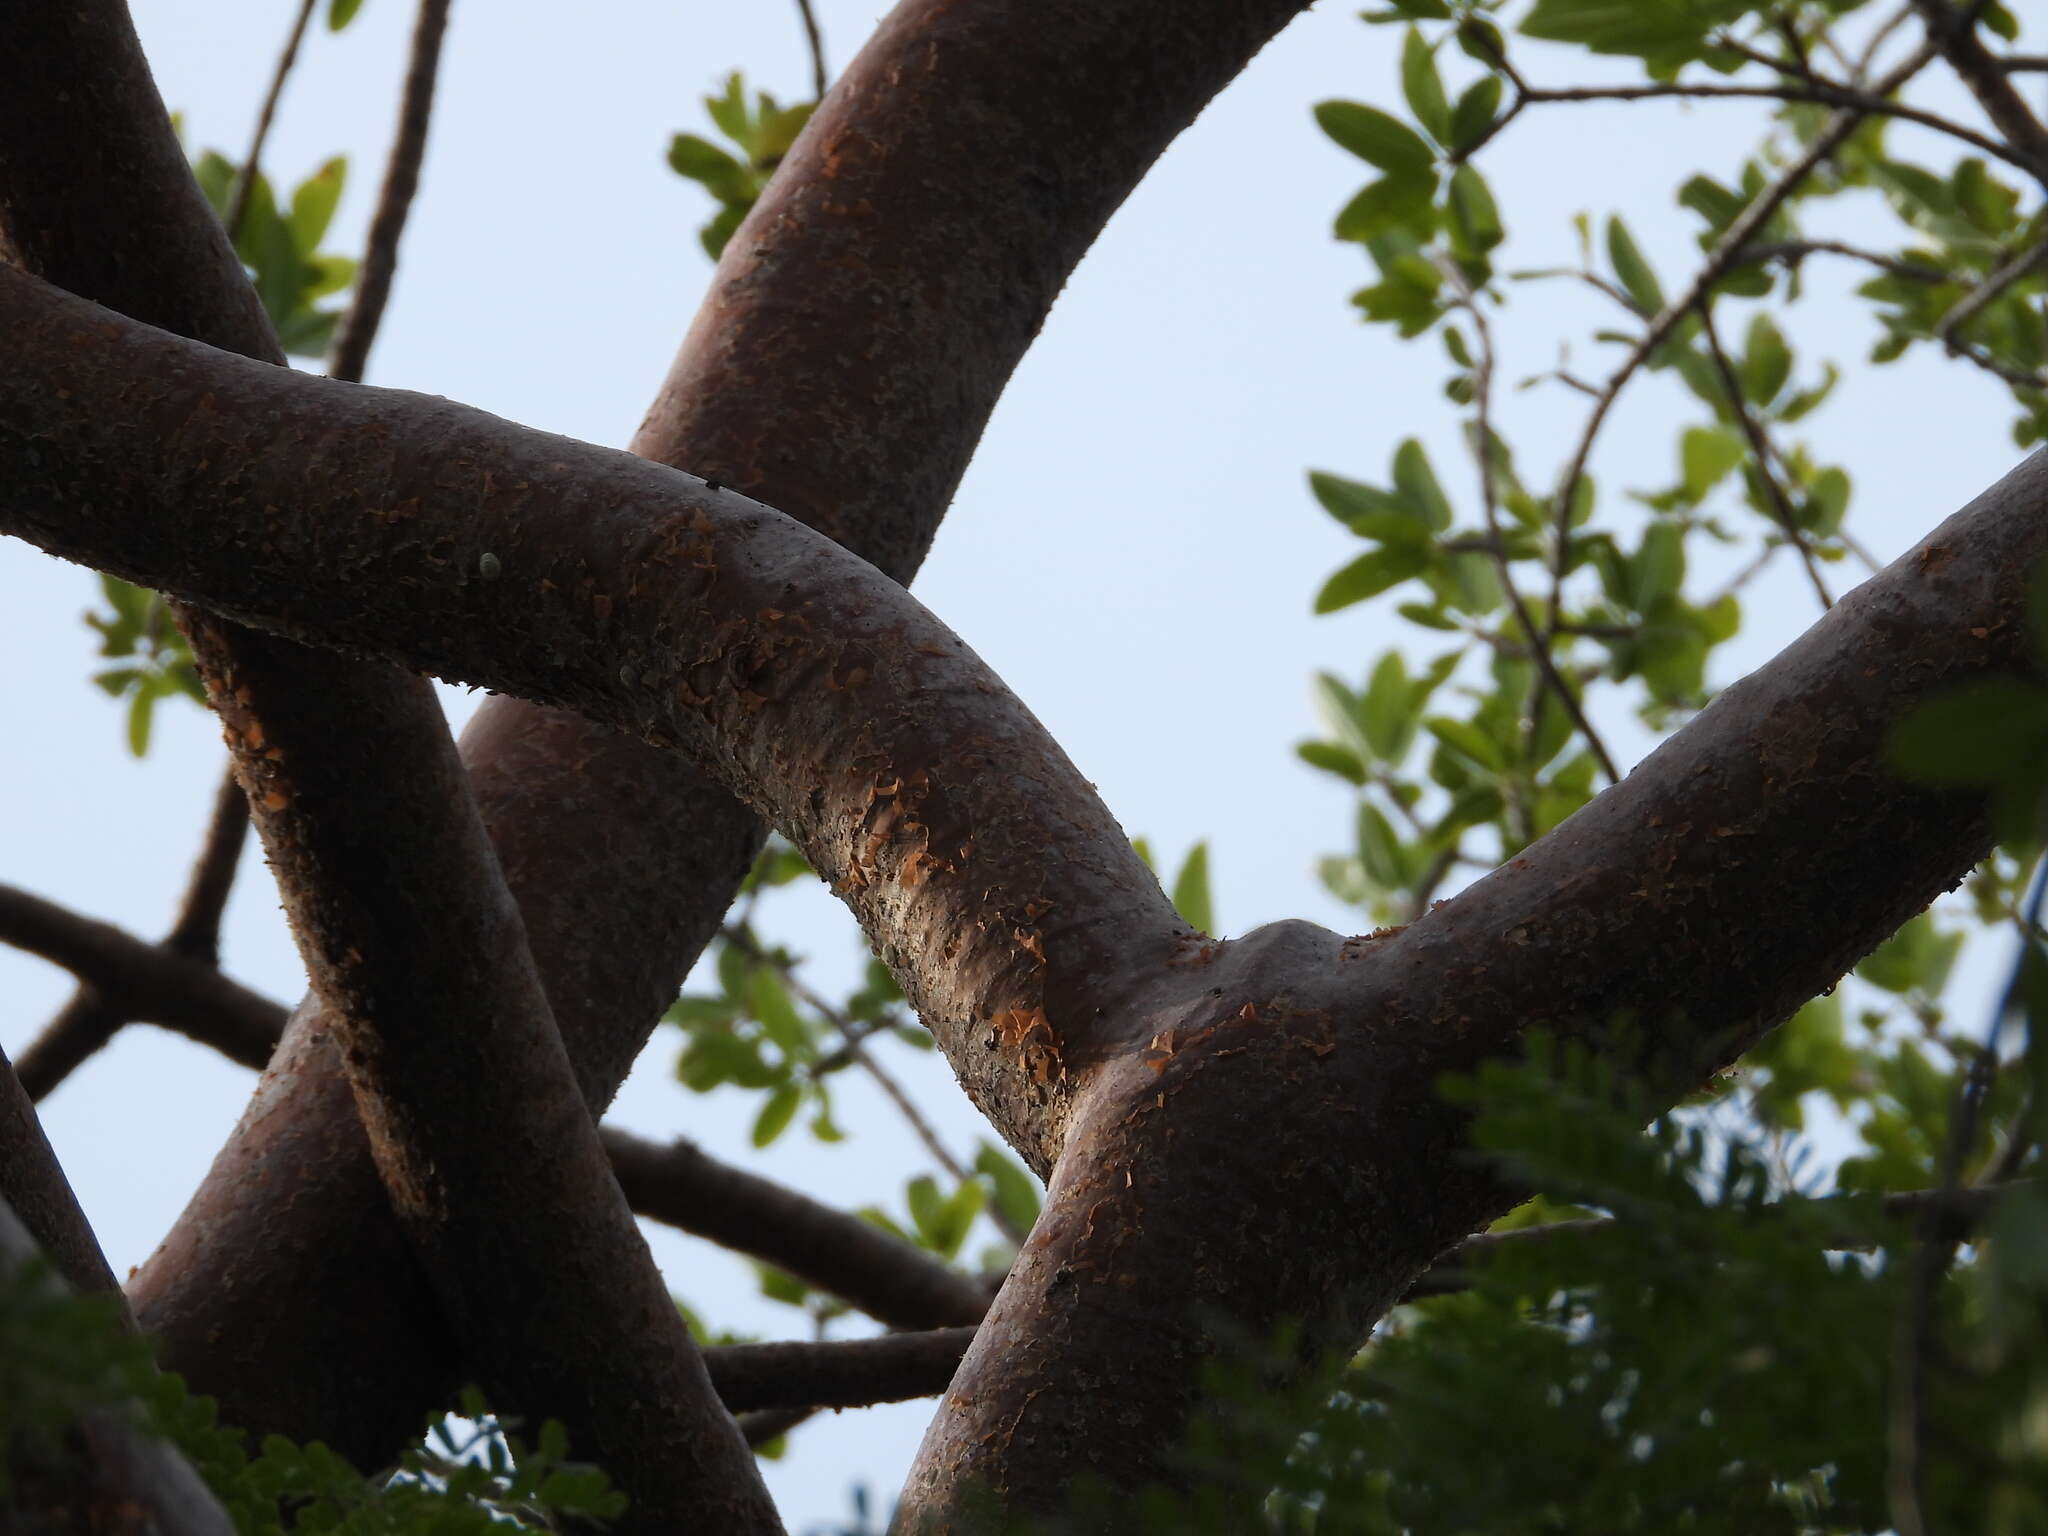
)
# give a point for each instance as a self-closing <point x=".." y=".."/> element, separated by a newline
<point x="1948" y="330"/>
<point x="820" y="77"/>
<point x="1792" y="252"/>
<point x="1875" y="102"/>
<point x="351" y="349"/>
<point x="143" y="981"/>
<point x="1489" y="500"/>
<point x="195" y="932"/>
<point x="883" y="1276"/>
<point x="838" y="1373"/>
<point x="245" y="178"/>
<point x="1760" y="448"/>
<point x="88" y="1021"/>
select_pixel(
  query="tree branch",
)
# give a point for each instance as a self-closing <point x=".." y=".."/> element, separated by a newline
<point x="881" y="257"/>
<point x="353" y="776"/>
<point x="358" y="329"/>
<point x="1009" y="902"/>
<point x="88" y="1021"/>
<point x="33" y="1186"/>
<point x="853" y="1259"/>
<point x="251" y="167"/>
<point x="142" y="981"/>
<point x="837" y="1373"/>
<point x="1955" y="34"/>
<point x="107" y="1475"/>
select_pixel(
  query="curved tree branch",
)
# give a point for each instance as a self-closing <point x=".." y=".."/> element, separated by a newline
<point x="857" y="334"/>
<point x="353" y="776"/>
<point x="982" y="865"/>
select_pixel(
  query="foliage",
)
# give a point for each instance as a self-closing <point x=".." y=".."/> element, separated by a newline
<point x="63" y="1355"/>
<point x="759" y="135"/>
<point x="1716" y="1357"/>
<point x="135" y="628"/>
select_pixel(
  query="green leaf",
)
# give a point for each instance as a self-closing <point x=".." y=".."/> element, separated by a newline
<point x="1370" y="511"/>
<point x="1658" y="569"/>
<point x="769" y="1001"/>
<point x="1406" y="201"/>
<point x="341" y="12"/>
<point x="1468" y="741"/>
<point x="1638" y="277"/>
<point x="1417" y="485"/>
<point x="1423" y="87"/>
<point x="1369" y="575"/>
<point x="1766" y="360"/>
<point x="1663" y="33"/>
<point x="1387" y="713"/>
<point x="1331" y="758"/>
<point x="1475" y="112"/>
<point x="141" y="711"/>
<point x="1191" y="890"/>
<point x="313" y="203"/>
<point x="1705" y="455"/>
<point x="1379" y="850"/>
<point x="1376" y="137"/>
<point x="702" y="161"/>
<point x="1987" y="733"/>
<point x="1016" y="1192"/>
<point x="776" y="1114"/>
<point x="1474" y="218"/>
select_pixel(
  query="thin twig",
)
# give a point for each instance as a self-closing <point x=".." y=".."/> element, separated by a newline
<point x="820" y="76"/>
<point x="351" y="350"/>
<point x="195" y="932"/>
<point x="1489" y="501"/>
<point x="1761" y="450"/>
<point x="88" y="1021"/>
<point x="1874" y="102"/>
<point x="1723" y="256"/>
<point x="245" y="178"/>
<point x="1792" y="252"/>
<point x="1974" y="303"/>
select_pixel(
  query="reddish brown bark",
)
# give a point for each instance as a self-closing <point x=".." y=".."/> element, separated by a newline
<point x="857" y="335"/>
<point x="1246" y="1130"/>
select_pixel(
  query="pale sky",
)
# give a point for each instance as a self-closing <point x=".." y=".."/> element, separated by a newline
<point x="1134" y="549"/>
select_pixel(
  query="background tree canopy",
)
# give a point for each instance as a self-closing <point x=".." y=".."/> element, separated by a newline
<point x="1807" y="1300"/>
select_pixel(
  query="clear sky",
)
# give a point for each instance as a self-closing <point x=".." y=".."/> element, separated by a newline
<point x="1134" y="549"/>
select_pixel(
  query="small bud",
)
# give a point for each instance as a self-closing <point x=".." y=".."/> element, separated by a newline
<point x="487" y="566"/>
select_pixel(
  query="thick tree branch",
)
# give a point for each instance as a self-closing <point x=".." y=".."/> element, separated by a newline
<point x="918" y="232"/>
<point x="33" y="1185"/>
<point x="675" y="1183"/>
<point x="1955" y="34"/>
<point x="106" y="1474"/>
<point x="354" y="778"/>
<point x="982" y="865"/>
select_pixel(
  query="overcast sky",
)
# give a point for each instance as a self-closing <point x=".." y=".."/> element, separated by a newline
<point x="1133" y="550"/>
